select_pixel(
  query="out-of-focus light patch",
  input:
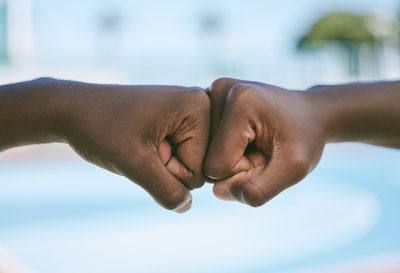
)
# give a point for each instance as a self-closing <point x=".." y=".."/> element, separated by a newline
<point x="80" y="218"/>
<point x="382" y="263"/>
<point x="8" y="263"/>
<point x="395" y="173"/>
<point x="21" y="45"/>
<point x="102" y="75"/>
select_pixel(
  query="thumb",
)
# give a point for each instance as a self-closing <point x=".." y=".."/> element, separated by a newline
<point x="260" y="185"/>
<point x="226" y="153"/>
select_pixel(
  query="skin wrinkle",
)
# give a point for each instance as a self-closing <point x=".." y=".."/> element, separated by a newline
<point x="271" y="137"/>
<point x="272" y="123"/>
<point x="261" y="147"/>
<point x="185" y="132"/>
<point x="249" y="135"/>
<point x="117" y="127"/>
<point x="267" y="150"/>
<point x="189" y="171"/>
<point x="183" y="169"/>
<point x="250" y="184"/>
<point x="150" y="137"/>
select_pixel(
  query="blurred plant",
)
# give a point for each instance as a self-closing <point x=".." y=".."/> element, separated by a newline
<point x="347" y="30"/>
<point x="398" y="29"/>
<point x="338" y="27"/>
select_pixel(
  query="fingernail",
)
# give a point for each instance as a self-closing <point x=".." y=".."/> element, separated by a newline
<point x="224" y="194"/>
<point x="185" y="205"/>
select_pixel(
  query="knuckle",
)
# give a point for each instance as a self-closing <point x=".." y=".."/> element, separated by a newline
<point x="193" y="100"/>
<point x="192" y="105"/>
<point x="240" y="92"/>
<point x="200" y="98"/>
<point x="44" y="79"/>
<point x="220" y="83"/>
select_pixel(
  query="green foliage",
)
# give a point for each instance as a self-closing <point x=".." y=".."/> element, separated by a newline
<point x="338" y="27"/>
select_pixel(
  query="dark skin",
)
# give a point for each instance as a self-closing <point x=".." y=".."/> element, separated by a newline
<point x="266" y="139"/>
<point x="154" y="135"/>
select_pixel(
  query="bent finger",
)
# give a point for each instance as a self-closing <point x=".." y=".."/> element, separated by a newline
<point x="153" y="176"/>
<point x="259" y="185"/>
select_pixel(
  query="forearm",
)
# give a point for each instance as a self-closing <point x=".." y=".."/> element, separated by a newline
<point x="30" y="113"/>
<point x="361" y="112"/>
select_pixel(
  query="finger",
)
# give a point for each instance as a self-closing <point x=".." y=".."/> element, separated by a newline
<point x="165" y="151"/>
<point x="186" y="163"/>
<point x="183" y="173"/>
<point x="190" y="142"/>
<point x="259" y="185"/>
<point x="218" y="92"/>
<point x="149" y="172"/>
<point x="174" y="165"/>
<point x="226" y="153"/>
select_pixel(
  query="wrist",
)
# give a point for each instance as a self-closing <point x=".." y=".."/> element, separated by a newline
<point x="31" y="112"/>
<point x="359" y="112"/>
<point x="56" y="106"/>
<point x="346" y="112"/>
<point x="326" y="108"/>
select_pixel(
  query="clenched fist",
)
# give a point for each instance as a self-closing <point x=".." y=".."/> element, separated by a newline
<point x="154" y="135"/>
<point x="264" y="139"/>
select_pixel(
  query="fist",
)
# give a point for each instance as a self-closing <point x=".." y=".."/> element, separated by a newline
<point x="264" y="139"/>
<point x="154" y="135"/>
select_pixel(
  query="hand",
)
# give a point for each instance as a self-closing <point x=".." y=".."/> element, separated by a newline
<point x="264" y="140"/>
<point x="154" y="135"/>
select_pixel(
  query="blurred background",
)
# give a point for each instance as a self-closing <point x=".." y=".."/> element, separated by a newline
<point x="61" y="214"/>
